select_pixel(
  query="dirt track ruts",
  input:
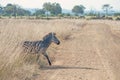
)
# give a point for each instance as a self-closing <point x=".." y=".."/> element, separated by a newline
<point x="91" y="54"/>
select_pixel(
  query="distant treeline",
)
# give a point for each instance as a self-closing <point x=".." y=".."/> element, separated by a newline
<point x="16" y="10"/>
<point x="13" y="10"/>
<point x="49" y="9"/>
<point x="54" y="10"/>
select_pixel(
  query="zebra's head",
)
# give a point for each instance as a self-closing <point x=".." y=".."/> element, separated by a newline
<point x="54" y="38"/>
<point x="51" y="38"/>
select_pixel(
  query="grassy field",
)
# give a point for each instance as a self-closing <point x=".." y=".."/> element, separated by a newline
<point x="17" y="65"/>
<point x="14" y="64"/>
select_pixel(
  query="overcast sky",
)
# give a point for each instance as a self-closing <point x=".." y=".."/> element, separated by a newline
<point x="66" y="4"/>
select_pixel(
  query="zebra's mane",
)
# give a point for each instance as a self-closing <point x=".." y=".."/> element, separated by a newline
<point x="46" y="36"/>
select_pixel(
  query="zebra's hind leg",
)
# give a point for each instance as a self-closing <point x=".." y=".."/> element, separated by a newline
<point x="37" y="60"/>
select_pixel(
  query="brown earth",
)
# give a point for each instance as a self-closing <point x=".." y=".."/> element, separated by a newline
<point x="90" y="53"/>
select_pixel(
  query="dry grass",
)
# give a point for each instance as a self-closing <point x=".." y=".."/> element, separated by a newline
<point x="16" y="65"/>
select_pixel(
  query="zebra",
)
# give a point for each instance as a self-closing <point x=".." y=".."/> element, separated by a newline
<point x="37" y="47"/>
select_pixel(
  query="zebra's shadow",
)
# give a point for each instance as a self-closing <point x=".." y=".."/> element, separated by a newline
<point x="55" y="67"/>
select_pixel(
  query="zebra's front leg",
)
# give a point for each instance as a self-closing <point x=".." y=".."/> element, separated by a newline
<point x="45" y="54"/>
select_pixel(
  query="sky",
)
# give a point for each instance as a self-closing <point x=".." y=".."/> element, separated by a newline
<point x="65" y="4"/>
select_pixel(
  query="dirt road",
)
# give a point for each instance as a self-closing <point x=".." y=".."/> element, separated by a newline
<point x="91" y="53"/>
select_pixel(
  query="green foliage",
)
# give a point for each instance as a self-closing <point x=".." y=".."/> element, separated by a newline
<point x="9" y="9"/>
<point x="78" y="9"/>
<point x="106" y="8"/>
<point x="39" y="12"/>
<point x="52" y="15"/>
<point x="116" y="14"/>
<point x="47" y="6"/>
<point x="53" y="8"/>
<point x="92" y="14"/>
<point x="22" y="12"/>
<point x="14" y="10"/>
<point x="68" y="14"/>
<point x="118" y="18"/>
<point x="60" y="15"/>
<point x="1" y="9"/>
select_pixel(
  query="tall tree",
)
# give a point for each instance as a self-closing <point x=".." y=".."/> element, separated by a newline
<point x="53" y="8"/>
<point x="78" y="9"/>
<point x="9" y="9"/>
<point x="47" y="6"/>
<point x="106" y="8"/>
<point x="1" y="9"/>
<point x="56" y="9"/>
<point x="14" y="10"/>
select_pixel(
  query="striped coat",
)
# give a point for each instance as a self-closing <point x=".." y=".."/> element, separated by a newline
<point x="37" y="47"/>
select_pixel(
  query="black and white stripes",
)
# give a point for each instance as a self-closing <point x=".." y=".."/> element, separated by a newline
<point x="37" y="47"/>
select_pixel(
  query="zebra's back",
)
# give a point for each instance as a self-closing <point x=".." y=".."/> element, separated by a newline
<point x="32" y="46"/>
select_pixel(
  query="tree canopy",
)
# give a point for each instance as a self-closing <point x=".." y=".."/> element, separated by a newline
<point x="53" y="8"/>
<point x="78" y="9"/>
<point x="39" y="12"/>
<point x="1" y="9"/>
<point x="106" y="8"/>
<point x="14" y="10"/>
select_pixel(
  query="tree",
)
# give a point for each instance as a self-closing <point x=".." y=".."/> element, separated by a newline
<point x="47" y="6"/>
<point x="56" y="9"/>
<point x="53" y="8"/>
<point x="23" y="12"/>
<point x="15" y="10"/>
<point x="106" y="8"/>
<point x="117" y="14"/>
<point x="1" y="9"/>
<point x="39" y="12"/>
<point x="78" y="9"/>
<point x="9" y="9"/>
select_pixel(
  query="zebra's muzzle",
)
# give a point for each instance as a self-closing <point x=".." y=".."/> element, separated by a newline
<point x="58" y="43"/>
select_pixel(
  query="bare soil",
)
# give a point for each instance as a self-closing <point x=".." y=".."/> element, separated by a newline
<point x="90" y="52"/>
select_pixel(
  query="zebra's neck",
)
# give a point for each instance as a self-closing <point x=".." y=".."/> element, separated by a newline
<point x="47" y="42"/>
